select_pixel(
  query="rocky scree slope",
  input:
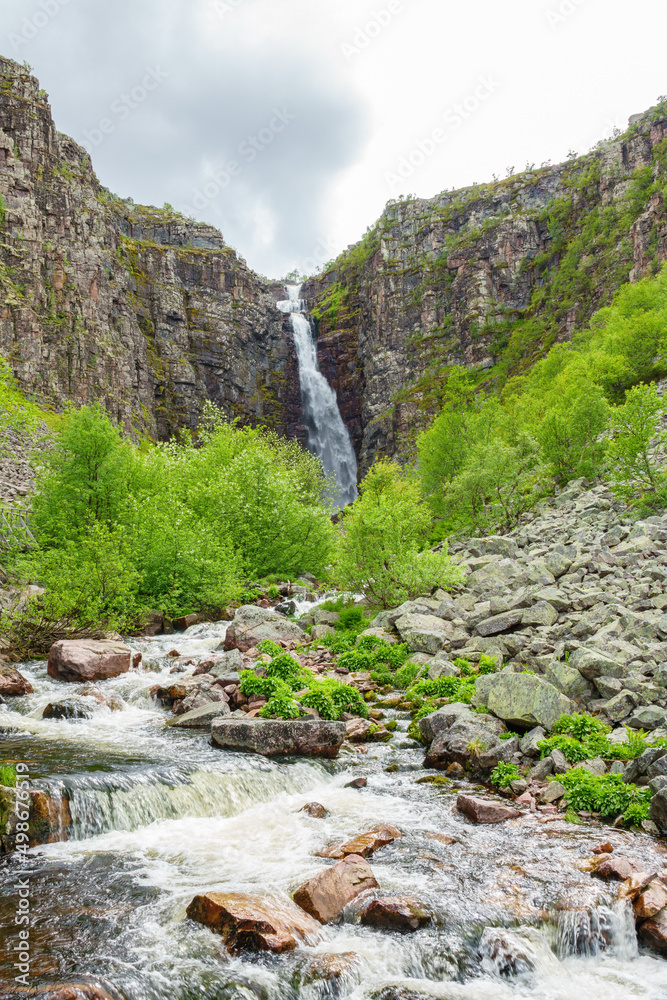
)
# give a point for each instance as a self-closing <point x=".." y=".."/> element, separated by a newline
<point x="140" y="308"/>
<point x="487" y="277"/>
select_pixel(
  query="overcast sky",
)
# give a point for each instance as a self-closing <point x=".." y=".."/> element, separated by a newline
<point x="289" y="123"/>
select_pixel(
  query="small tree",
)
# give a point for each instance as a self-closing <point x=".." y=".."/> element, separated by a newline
<point x="384" y="532"/>
<point x="636" y="469"/>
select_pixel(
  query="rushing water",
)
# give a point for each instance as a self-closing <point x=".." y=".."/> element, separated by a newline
<point x="328" y="437"/>
<point x="160" y="815"/>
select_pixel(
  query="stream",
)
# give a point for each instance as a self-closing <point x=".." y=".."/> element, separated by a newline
<point x="159" y="815"/>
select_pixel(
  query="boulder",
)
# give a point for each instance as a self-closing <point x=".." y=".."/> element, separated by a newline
<point x="471" y="740"/>
<point x="253" y="923"/>
<point x="620" y="706"/>
<point x="221" y="664"/>
<point x="649" y="717"/>
<point x="253" y="625"/>
<point x="314" y="809"/>
<point x="279" y="738"/>
<point x="72" y="708"/>
<point x="365" y="731"/>
<point x="651" y="901"/>
<point x="200" y="718"/>
<point x="437" y="722"/>
<point x="653" y="933"/>
<point x="485" y="810"/>
<point x="326" y="895"/>
<point x="319" y="632"/>
<point x="395" y="913"/>
<point x="185" y="622"/>
<point x="12" y="683"/>
<point x="539" y="614"/>
<point x="79" y="989"/>
<point x="616" y="869"/>
<point x="593" y="663"/>
<point x="500" y="623"/>
<point x="365" y="845"/>
<point x="658" y="810"/>
<point x="423" y="633"/>
<point x="569" y="681"/>
<point x="88" y="660"/>
<point x="525" y="700"/>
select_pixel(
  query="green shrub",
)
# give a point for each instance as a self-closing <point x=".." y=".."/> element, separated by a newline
<point x="581" y="726"/>
<point x="637" y="475"/>
<point x="8" y="775"/>
<point x="270" y="648"/>
<point x="607" y="794"/>
<point x="281" y="706"/>
<point x="504" y="774"/>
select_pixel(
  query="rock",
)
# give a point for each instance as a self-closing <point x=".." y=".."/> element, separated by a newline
<point x="185" y="622"/>
<point x="253" y="923"/>
<point x="88" y="660"/>
<point x="500" y="623"/>
<point x="365" y="845"/>
<point x="529" y="743"/>
<point x="365" y="731"/>
<point x="442" y="668"/>
<point x="525" y="701"/>
<point x="252" y="625"/>
<point x="651" y="901"/>
<point x="593" y="663"/>
<point x="48" y="818"/>
<point x="200" y="718"/>
<point x="649" y="717"/>
<point x="322" y="617"/>
<point x="616" y="869"/>
<point x="496" y="545"/>
<point x="539" y="614"/>
<point x="470" y="739"/>
<point x="221" y="664"/>
<point x="314" y="809"/>
<point x="569" y="681"/>
<point x="620" y="706"/>
<point x="285" y="608"/>
<point x="331" y="967"/>
<point x="395" y="913"/>
<point x="423" y="633"/>
<point x="12" y="683"/>
<point x="326" y="895"/>
<point x="542" y="770"/>
<point x="356" y="783"/>
<point x="431" y="725"/>
<point x="595" y="766"/>
<point x="608" y="687"/>
<point x="658" y="809"/>
<point x="552" y="793"/>
<point x="277" y="737"/>
<point x="109" y="699"/>
<point x="319" y="632"/>
<point x="485" y="810"/>
<point x="79" y="989"/>
<point x="72" y="708"/>
<point x="558" y="563"/>
<point x="653" y="933"/>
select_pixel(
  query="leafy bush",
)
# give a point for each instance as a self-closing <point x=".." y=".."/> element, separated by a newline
<point x="594" y="741"/>
<point x="636" y="474"/>
<point x="607" y="794"/>
<point x="581" y="726"/>
<point x="8" y="775"/>
<point x="384" y="533"/>
<point x="504" y="774"/>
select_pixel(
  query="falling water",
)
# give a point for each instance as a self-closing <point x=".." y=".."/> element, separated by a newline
<point x="328" y="437"/>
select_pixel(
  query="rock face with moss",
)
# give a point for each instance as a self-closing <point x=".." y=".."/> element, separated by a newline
<point x="140" y="308"/>
<point x="487" y="278"/>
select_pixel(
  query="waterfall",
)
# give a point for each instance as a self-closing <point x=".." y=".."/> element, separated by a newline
<point x="328" y="437"/>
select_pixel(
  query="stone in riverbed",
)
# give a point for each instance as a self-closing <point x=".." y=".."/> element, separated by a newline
<point x="81" y="989"/>
<point x="88" y="660"/>
<point x="314" y="809"/>
<point x="326" y="895"/>
<point x="72" y="708"/>
<point x="484" y="810"/>
<point x="12" y="683"/>
<point x="365" y="844"/>
<point x="279" y="738"/>
<point x="395" y="913"/>
<point x="616" y="869"/>
<point x="253" y="923"/>
<point x="253" y="625"/>
<point x="331" y="967"/>
<point x="651" y="901"/>
<point x="653" y="932"/>
<point x="200" y="718"/>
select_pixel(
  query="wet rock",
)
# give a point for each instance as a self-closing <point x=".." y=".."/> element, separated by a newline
<point x="221" y="664"/>
<point x="356" y="783"/>
<point x="48" y="818"/>
<point x="365" y="845"/>
<point x="485" y="810"/>
<point x="365" y="731"/>
<point x="314" y="809"/>
<point x="200" y="718"/>
<point x="329" y="968"/>
<point x="253" y="923"/>
<point x="286" y="608"/>
<point x="653" y="933"/>
<point x="395" y="913"/>
<point x="72" y="708"/>
<point x="185" y="622"/>
<point x="277" y="737"/>
<point x="616" y="869"/>
<point x="12" y="683"/>
<point x="82" y="989"/>
<point x="651" y="901"/>
<point x="252" y="625"/>
<point x="109" y="699"/>
<point x="88" y="660"/>
<point x="326" y="895"/>
<point x="525" y="701"/>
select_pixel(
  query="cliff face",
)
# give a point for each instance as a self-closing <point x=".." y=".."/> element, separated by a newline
<point x="139" y="308"/>
<point x="488" y="278"/>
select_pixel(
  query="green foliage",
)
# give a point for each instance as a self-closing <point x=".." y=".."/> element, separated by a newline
<point x="582" y="737"/>
<point x="504" y="774"/>
<point x="270" y="648"/>
<point x="581" y="726"/>
<point x="175" y="527"/>
<point x="607" y="794"/>
<point x="285" y="676"/>
<point x="16" y="412"/>
<point x="487" y="665"/>
<point x="8" y="775"/>
<point x="636" y="474"/>
<point x="407" y="675"/>
<point x="281" y="706"/>
<point x="384" y="533"/>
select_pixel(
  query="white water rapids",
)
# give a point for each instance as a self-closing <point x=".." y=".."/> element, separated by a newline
<point x="160" y="815"/>
<point x="328" y="437"/>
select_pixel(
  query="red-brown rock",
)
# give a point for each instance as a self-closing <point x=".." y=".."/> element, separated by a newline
<point x="314" y="809"/>
<point x="253" y="923"/>
<point x="90" y="989"/>
<point x="616" y="869"/>
<point x="651" y="901"/>
<point x="12" y="683"/>
<point x="654" y="932"/>
<point x="88" y="660"/>
<point x="395" y="913"/>
<point x="185" y="621"/>
<point x="326" y="895"/>
<point x="485" y="810"/>
<point x="635" y="885"/>
<point x="365" y="844"/>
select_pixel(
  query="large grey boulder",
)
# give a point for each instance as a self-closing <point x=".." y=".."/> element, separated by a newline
<point x="423" y="633"/>
<point x="541" y="613"/>
<point x="200" y="718"/>
<point x="593" y="663"/>
<point x="569" y="681"/>
<point x="524" y="700"/>
<point x="466" y="738"/>
<point x="88" y="660"/>
<point x="658" y="810"/>
<point x="493" y="545"/>
<point x="500" y="623"/>
<point x="253" y="625"/>
<point x="279" y="738"/>
<point x="620" y="706"/>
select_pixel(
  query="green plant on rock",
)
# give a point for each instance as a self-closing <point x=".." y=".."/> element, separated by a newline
<point x="606" y="794"/>
<point x="8" y="775"/>
<point x="281" y="706"/>
<point x="504" y="774"/>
